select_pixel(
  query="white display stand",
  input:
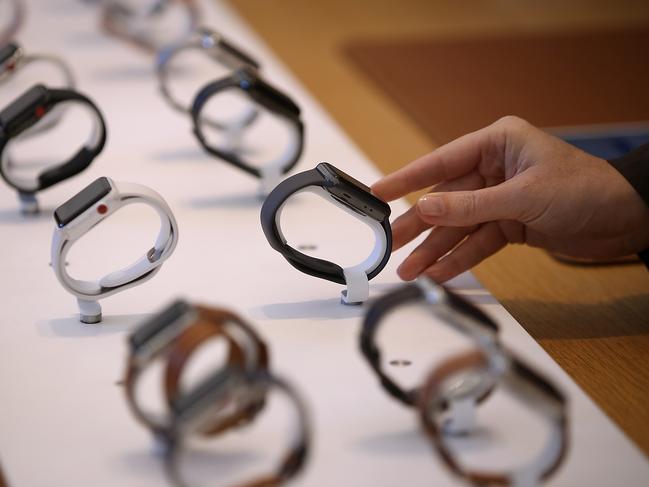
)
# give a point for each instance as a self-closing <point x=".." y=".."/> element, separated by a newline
<point x="63" y="417"/>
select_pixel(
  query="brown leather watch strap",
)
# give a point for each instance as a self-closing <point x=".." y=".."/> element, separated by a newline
<point x="213" y="324"/>
<point x="289" y="464"/>
<point x="207" y="325"/>
<point x="431" y="399"/>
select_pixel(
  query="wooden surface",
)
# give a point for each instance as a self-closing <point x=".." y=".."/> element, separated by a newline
<point x="454" y="86"/>
<point x="593" y="321"/>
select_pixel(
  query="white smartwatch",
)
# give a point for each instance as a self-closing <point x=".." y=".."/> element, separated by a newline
<point x="88" y="208"/>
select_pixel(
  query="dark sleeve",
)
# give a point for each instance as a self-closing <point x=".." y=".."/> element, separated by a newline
<point x="635" y="168"/>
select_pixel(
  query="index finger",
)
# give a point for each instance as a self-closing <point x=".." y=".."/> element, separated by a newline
<point x="449" y="161"/>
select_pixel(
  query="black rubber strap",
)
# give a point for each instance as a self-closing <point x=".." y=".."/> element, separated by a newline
<point x="234" y="51"/>
<point x="304" y="263"/>
<point x="408" y="293"/>
<point x="79" y="161"/>
<point x="279" y="104"/>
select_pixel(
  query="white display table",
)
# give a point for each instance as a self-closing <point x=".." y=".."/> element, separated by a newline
<point x="63" y="417"/>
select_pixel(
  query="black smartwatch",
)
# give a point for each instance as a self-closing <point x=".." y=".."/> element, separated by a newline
<point x="265" y="97"/>
<point x="25" y="112"/>
<point x="351" y="196"/>
<point x="447" y="306"/>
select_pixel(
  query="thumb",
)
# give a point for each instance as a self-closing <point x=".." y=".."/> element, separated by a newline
<point x="465" y="208"/>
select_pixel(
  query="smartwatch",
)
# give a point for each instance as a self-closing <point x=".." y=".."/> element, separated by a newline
<point x="181" y="322"/>
<point x="450" y="308"/>
<point x="351" y="196"/>
<point x="23" y="114"/>
<point x="218" y="323"/>
<point x="264" y="97"/>
<point x="214" y="46"/>
<point x="228" y="389"/>
<point x="12" y="23"/>
<point x="137" y="26"/>
<point x="523" y="384"/>
<point x="13" y="58"/>
<point x="90" y="207"/>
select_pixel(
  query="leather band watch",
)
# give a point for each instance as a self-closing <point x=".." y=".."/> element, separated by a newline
<point x="138" y="26"/>
<point x="521" y="382"/>
<point x="153" y="340"/>
<point x="451" y="308"/>
<point x="89" y="208"/>
<point x="229" y="396"/>
<point x="351" y="196"/>
<point x="254" y="359"/>
<point x="25" y="112"/>
<point x="195" y="409"/>
<point x="267" y="98"/>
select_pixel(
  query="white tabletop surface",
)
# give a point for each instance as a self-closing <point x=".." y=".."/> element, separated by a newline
<point x="63" y="417"/>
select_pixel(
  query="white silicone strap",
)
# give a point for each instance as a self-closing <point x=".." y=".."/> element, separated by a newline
<point x="122" y="195"/>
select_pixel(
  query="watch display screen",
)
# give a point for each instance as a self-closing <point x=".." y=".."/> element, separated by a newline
<point x="152" y="327"/>
<point x="25" y="111"/>
<point x="7" y="52"/>
<point x="80" y="202"/>
<point x="353" y="193"/>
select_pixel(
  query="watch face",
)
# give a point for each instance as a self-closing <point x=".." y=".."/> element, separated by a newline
<point x="83" y="200"/>
<point x="7" y="52"/>
<point x="353" y="193"/>
<point x="266" y="95"/>
<point x="160" y="321"/>
<point x="24" y="111"/>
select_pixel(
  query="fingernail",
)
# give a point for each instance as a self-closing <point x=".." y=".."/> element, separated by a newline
<point x="431" y="205"/>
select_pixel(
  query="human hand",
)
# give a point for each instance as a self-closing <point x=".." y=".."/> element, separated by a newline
<point x="511" y="182"/>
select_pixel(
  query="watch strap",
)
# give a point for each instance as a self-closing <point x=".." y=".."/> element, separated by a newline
<point x="291" y="155"/>
<point x="270" y="217"/>
<point x="79" y="161"/>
